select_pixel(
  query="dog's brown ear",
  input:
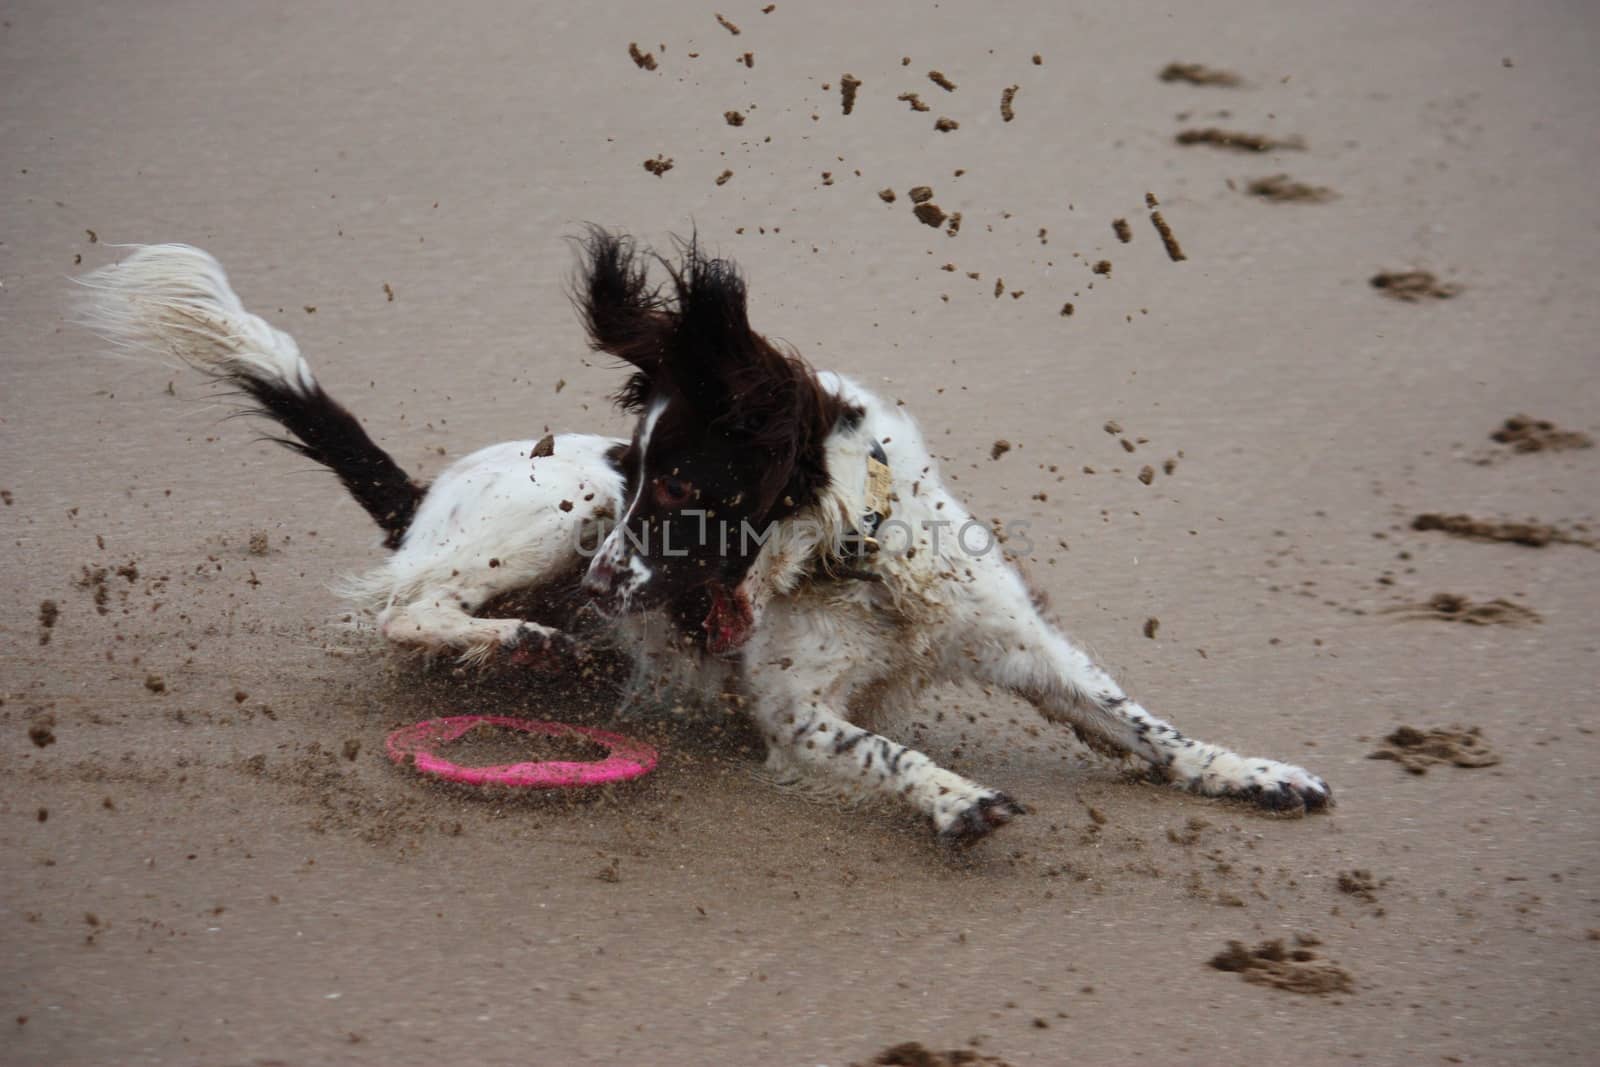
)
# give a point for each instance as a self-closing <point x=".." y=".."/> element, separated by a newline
<point x="714" y="358"/>
<point x="622" y="312"/>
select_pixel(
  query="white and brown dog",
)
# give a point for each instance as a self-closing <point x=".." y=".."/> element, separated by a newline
<point x="769" y="530"/>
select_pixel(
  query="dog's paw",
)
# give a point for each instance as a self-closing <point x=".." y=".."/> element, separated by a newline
<point x="1279" y="787"/>
<point x="543" y="650"/>
<point x="987" y="810"/>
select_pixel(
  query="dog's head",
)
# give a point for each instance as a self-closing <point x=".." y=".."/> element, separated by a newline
<point x="729" y="441"/>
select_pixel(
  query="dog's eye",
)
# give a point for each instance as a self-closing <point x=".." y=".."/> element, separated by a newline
<point x="673" y="492"/>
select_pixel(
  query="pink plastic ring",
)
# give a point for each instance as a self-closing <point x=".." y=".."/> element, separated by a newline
<point x="627" y="759"/>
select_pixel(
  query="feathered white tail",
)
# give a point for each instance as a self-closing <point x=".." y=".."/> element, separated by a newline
<point x="175" y="299"/>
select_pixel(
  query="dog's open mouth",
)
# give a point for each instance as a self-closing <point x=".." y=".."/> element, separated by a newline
<point x="729" y="620"/>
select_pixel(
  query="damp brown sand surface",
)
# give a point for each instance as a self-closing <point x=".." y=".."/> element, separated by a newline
<point x="338" y="910"/>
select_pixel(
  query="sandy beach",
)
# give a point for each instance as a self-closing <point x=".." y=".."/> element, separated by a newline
<point x="1222" y="457"/>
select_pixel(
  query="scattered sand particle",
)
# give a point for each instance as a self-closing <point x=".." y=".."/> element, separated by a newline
<point x="916" y="1054"/>
<point x="938" y="78"/>
<point x="641" y="59"/>
<point x="748" y="59"/>
<point x="722" y="179"/>
<point x="1151" y="625"/>
<point x="920" y="194"/>
<point x="999" y="448"/>
<point x="1151" y="201"/>
<point x="931" y="214"/>
<point x="945" y="125"/>
<point x="1452" y="607"/>
<point x="1199" y="74"/>
<point x="1532" y="534"/>
<point x="1239" y="142"/>
<point x="1067" y="310"/>
<point x="955" y="224"/>
<point x="1527" y="434"/>
<point x="1168" y="238"/>
<point x="1417" y="750"/>
<point x="914" y="100"/>
<point x="1412" y="286"/>
<point x="1147" y="474"/>
<point x="1280" y="188"/>
<point x="49" y="612"/>
<point x="847" y="92"/>
<point x="886" y="195"/>
<point x="40" y="732"/>
<point x="1038" y="60"/>
<point x="733" y="118"/>
<point x="1102" y="267"/>
<point x="725" y="24"/>
<point x="999" y="287"/>
<point x="1271" y="964"/>
<point x="1006" y="97"/>
<point x="388" y="293"/>
<point x="155" y="683"/>
<point x="658" y="166"/>
<point x="1123" y="231"/>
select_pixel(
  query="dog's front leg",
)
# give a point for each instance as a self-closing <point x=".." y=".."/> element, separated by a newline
<point x="1010" y="644"/>
<point x="798" y="705"/>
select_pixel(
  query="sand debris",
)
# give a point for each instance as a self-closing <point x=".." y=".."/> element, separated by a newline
<point x="641" y="59"/>
<point x="1532" y="534"/>
<point x="1281" y="189"/>
<point x="1200" y="74"/>
<point x="1006" y="98"/>
<point x="930" y="213"/>
<point x="1123" y="231"/>
<point x="659" y="165"/>
<point x="847" y="92"/>
<point x="938" y="78"/>
<point x="915" y="101"/>
<point x="1413" y="285"/>
<point x="1292" y="970"/>
<point x="1527" y="434"/>
<point x="1417" y="750"/>
<point x="1239" y="142"/>
<point x="915" y="1054"/>
<point x="1452" y="607"/>
<point x="1168" y="238"/>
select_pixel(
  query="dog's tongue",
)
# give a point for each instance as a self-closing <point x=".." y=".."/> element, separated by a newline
<point x="727" y="624"/>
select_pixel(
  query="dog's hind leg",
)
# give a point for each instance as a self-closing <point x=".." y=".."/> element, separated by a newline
<point x="499" y="540"/>
<point x="1008" y="643"/>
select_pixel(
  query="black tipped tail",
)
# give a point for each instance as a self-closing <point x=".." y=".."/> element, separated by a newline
<point x="175" y="300"/>
<point x="326" y="432"/>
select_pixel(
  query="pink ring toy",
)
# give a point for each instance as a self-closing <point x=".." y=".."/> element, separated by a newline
<point x="627" y="759"/>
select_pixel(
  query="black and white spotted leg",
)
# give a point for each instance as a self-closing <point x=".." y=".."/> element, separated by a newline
<point x="809" y="740"/>
<point x="1039" y="664"/>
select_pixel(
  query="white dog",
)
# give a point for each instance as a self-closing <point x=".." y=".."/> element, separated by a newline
<point x="769" y="530"/>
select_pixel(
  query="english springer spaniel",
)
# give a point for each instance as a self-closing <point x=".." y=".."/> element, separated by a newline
<point x="769" y="531"/>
